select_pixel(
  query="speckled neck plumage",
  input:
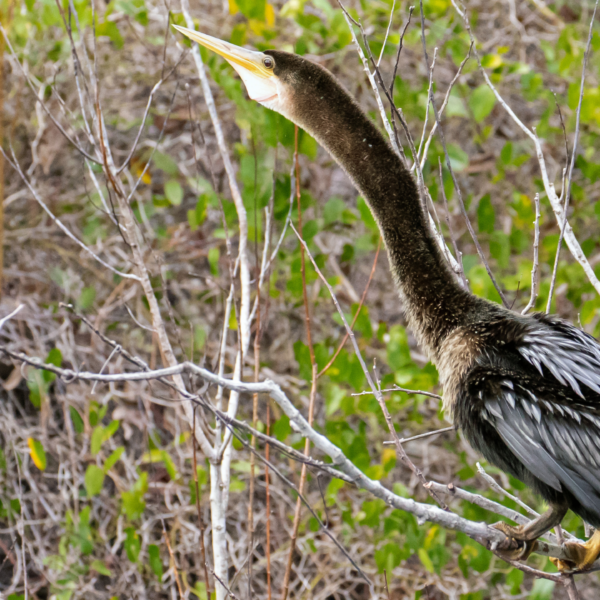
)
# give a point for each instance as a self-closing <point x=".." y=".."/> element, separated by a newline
<point x="433" y="301"/>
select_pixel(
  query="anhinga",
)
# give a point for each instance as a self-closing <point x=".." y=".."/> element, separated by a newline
<point x="525" y="390"/>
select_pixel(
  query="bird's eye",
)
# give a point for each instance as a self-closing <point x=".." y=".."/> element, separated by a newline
<point x="268" y="62"/>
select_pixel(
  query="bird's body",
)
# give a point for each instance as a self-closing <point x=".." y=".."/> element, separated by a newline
<point x="525" y="390"/>
<point x="519" y="404"/>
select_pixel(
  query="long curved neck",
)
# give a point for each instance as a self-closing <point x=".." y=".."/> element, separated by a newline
<point x="434" y="302"/>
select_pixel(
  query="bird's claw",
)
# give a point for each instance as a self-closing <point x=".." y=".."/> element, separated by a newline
<point x="564" y="566"/>
<point x="516" y="549"/>
<point x="580" y="557"/>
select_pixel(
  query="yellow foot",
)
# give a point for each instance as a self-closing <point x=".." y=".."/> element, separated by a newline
<point x="580" y="556"/>
<point x="519" y="548"/>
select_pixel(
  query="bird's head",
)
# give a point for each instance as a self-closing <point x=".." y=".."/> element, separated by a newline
<point x="286" y="83"/>
<point x="258" y="70"/>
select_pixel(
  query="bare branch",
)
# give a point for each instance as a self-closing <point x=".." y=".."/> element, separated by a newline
<point x="535" y="280"/>
<point x="43" y="105"/>
<point x="17" y="167"/>
<point x="423" y="435"/>
<point x="569" y="236"/>
<point x="365" y="63"/>
<point x="490" y="537"/>
<point x="573" y="155"/>
<point x="455" y="181"/>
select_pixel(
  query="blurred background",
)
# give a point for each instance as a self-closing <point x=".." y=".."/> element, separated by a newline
<point x="97" y="492"/>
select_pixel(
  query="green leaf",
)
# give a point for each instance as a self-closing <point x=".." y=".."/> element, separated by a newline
<point x="54" y="358"/>
<point x="333" y="210"/>
<point x="174" y="192"/>
<point x="37" y="452"/>
<point x="308" y="145"/>
<point x="94" y="478"/>
<point x="76" y="420"/>
<point x="132" y="544"/>
<point x="514" y="579"/>
<point x="456" y="107"/>
<point x="154" y="560"/>
<point x="486" y="216"/>
<point x="197" y="216"/>
<point x="101" y="568"/>
<point x="86" y="298"/>
<point x="213" y="260"/>
<point x="500" y="248"/>
<point x="482" y="102"/>
<point x="165" y="163"/>
<point x="110" y="430"/>
<point x="543" y="589"/>
<point x="35" y="384"/>
<point x="459" y="159"/>
<point x="169" y="465"/>
<point x="426" y="560"/>
<point x="367" y="215"/>
<point x="111" y="31"/>
<point x="111" y="461"/>
<point x="133" y="501"/>
<point x="506" y="153"/>
<point x="253" y="9"/>
<point x="97" y="439"/>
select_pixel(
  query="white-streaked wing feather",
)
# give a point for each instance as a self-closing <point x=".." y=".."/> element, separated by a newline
<point x="559" y="444"/>
<point x="570" y="355"/>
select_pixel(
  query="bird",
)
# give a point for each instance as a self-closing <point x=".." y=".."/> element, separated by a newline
<point x="523" y="389"/>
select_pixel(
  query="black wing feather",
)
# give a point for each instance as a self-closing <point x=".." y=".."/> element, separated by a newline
<point x="547" y="433"/>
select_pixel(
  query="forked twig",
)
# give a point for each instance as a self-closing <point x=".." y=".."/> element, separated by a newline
<point x="573" y="155"/>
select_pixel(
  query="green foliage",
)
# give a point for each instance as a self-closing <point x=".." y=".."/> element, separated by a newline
<point x="132" y="544"/>
<point x="39" y="381"/>
<point x="94" y="478"/>
<point x="481" y="102"/>
<point x="38" y="454"/>
<point x="173" y="191"/>
<point x="543" y="589"/>
<point x="154" y="560"/>
<point x="76" y="419"/>
<point x="133" y="503"/>
<point x="486" y="215"/>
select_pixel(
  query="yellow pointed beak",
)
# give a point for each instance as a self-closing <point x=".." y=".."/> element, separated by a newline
<point x="248" y="60"/>
<point x="255" y="68"/>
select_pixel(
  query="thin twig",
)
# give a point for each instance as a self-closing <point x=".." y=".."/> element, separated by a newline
<point x="397" y="388"/>
<point x="535" y="280"/>
<point x="17" y="167"/>
<point x="43" y="104"/>
<point x="397" y="112"/>
<point x="454" y="180"/>
<point x="9" y="316"/>
<point x="495" y="486"/>
<point x="387" y="33"/>
<point x="199" y="511"/>
<point x="573" y="155"/>
<point x="569" y="584"/>
<point x="444" y="104"/>
<point x="423" y="512"/>
<point x="422" y="435"/>
<point x="457" y="252"/>
<point x="356" y="314"/>
<point x="378" y="395"/>
<point x="156" y="87"/>
<point x="365" y="63"/>
<point x="555" y="202"/>
<point x="172" y="560"/>
<point x="314" y="377"/>
<point x="400" y="45"/>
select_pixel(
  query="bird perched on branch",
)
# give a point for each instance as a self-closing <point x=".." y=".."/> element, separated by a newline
<point x="525" y="390"/>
